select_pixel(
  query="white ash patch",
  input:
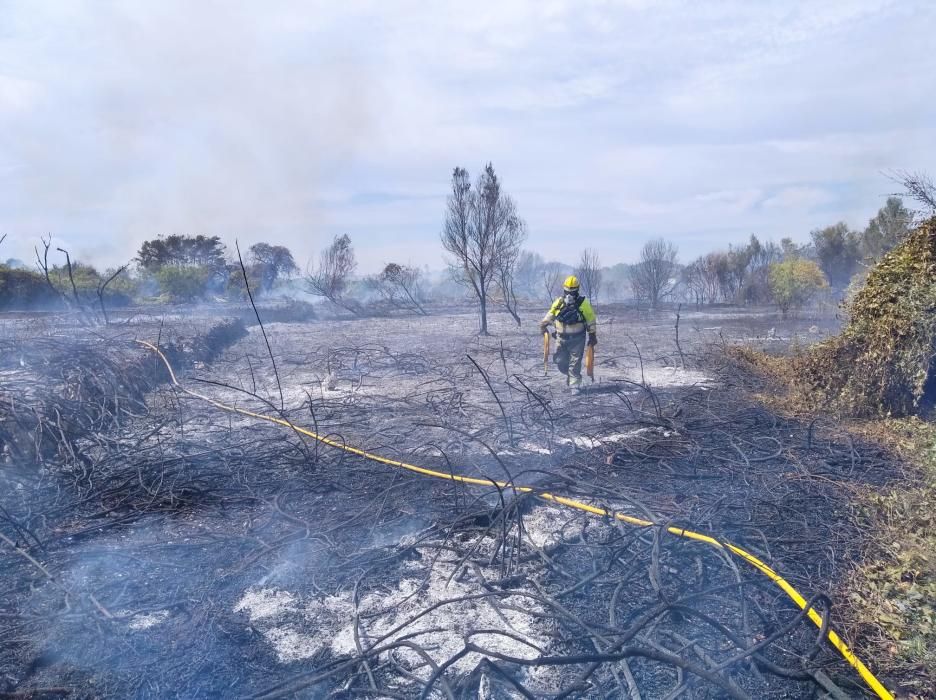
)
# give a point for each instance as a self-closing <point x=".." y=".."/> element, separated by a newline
<point x="264" y="603"/>
<point x="299" y="628"/>
<point x="147" y="620"/>
<point x="442" y="631"/>
<point x="701" y="315"/>
<point x="295" y="629"/>
<point x="586" y="442"/>
<point x="658" y="377"/>
<point x="581" y="441"/>
<point x="545" y="526"/>
<point x="533" y="447"/>
<point x="292" y="645"/>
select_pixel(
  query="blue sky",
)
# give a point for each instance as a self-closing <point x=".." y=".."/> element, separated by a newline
<point x="609" y="122"/>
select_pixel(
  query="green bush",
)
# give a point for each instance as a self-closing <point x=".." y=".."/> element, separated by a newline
<point x="234" y="284"/>
<point x="86" y="278"/>
<point x="24" y="290"/>
<point x="883" y="362"/>
<point x="183" y="284"/>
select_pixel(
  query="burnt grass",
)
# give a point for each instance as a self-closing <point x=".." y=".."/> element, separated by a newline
<point x="142" y="520"/>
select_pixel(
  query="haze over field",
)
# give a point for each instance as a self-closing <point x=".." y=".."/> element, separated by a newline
<point x="608" y="122"/>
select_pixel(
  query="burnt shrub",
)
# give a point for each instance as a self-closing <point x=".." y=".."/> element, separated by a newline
<point x="290" y="311"/>
<point x="220" y="336"/>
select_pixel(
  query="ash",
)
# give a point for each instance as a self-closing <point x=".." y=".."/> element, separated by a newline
<point x="156" y="546"/>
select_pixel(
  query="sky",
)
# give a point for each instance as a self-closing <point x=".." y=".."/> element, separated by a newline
<point x="609" y="123"/>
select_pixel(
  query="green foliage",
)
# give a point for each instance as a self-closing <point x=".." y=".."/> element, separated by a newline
<point x="269" y="263"/>
<point x="87" y="279"/>
<point x="838" y="252"/>
<point x="892" y="594"/>
<point x="182" y="251"/>
<point x="795" y="282"/>
<point x="123" y="289"/>
<point x="23" y="290"/>
<point x="888" y="228"/>
<point x="183" y="284"/>
<point x="882" y="363"/>
<point x="234" y="285"/>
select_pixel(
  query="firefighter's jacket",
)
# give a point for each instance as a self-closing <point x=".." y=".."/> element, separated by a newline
<point x="572" y="321"/>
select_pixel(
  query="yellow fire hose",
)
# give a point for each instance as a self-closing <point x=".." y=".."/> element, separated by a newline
<point x="590" y="362"/>
<point x="782" y="583"/>
<point x="546" y="353"/>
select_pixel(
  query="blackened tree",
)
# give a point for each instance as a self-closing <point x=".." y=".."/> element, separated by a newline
<point x="654" y="277"/>
<point x="482" y="232"/>
<point x="332" y="277"/>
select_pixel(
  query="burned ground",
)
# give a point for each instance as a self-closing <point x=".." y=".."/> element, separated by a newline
<point x="185" y="551"/>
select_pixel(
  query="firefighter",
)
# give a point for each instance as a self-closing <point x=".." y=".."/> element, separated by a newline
<point x="574" y="318"/>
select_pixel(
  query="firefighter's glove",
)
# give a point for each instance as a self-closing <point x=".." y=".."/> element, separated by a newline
<point x="544" y="327"/>
<point x="592" y="340"/>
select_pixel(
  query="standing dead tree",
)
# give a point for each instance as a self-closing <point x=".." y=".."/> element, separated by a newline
<point x="552" y="280"/>
<point x="42" y="262"/>
<point x="71" y="278"/>
<point x="589" y="273"/>
<point x="918" y="186"/>
<point x="693" y="277"/>
<point x="654" y="277"/>
<point x="506" y="273"/>
<point x="527" y="274"/>
<point x="73" y="302"/>
<point x="483" y="233"/>
<point x="102" y="288"/>
<point x="332" y="277"/>
<point x="400" y="285"/>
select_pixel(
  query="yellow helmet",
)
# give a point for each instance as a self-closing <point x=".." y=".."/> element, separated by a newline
<point x="571" y="284"/>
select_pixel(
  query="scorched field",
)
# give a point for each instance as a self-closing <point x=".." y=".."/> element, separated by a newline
<point x="190" y="537"/>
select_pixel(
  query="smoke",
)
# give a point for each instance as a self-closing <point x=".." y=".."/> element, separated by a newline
<point x="202" y="118"/>
<point x="615" y="122"/>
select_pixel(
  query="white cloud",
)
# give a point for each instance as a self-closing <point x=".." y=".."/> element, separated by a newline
<point x="802" y="198"/>
<point x="610" y="121"/>
<point x="17" y="95"/>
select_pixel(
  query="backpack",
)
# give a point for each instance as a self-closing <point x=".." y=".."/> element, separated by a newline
<point x="569" y="313"/>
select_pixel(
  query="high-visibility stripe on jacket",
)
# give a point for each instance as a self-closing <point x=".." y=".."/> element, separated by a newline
<point x="586" y="312"/>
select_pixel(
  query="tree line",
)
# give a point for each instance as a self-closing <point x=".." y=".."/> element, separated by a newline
<point x="174" y="268"/>
<point x="482" y="237"/>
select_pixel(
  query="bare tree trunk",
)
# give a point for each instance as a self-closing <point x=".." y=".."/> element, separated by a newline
<point x="43" y="263"/>
<point x="482" y="232"/>
<point x="512" y="309"/>
<point x="103" y="287"/>
<point x="482" y="297"/>
<point x="419" y="307"/>
<point x="71" y="276"/>
<point x="507" y="289"/>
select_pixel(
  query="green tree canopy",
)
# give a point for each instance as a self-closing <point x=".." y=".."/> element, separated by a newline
<point x="838" y="252"/>
<point x="182" y="251"/>
<point x="888" y="228"/>
<point x="795" y="282"/>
